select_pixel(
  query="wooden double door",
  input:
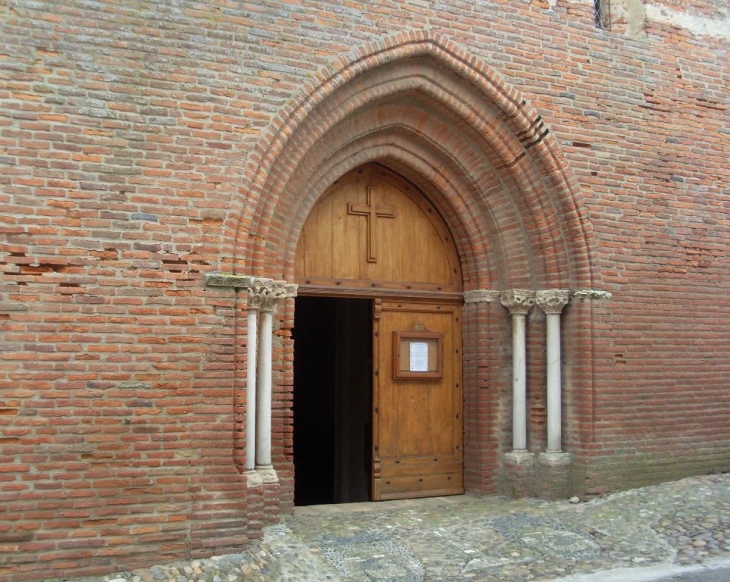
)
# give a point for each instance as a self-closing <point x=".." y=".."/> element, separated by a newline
<point x="377" y="388"/>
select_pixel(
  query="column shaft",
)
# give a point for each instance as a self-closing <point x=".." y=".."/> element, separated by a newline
<point x="251" y="354"/>
<point x="519" y="383"/>
<point x="263" y="400"/>
<point x="554" y="388"/>
<point x="519" y="302"/>
<point x="552" y="302"/>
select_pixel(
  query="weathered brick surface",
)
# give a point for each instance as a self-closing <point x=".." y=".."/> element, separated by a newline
<point x="144" y="144"/>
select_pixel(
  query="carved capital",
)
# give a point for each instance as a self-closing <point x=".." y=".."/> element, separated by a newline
<point x="518" y="301"/>
<point x="259" y="293"/>
<point x="264" y="293"/>
<point x="481" y="296"/>
<point x="552" y="300"/>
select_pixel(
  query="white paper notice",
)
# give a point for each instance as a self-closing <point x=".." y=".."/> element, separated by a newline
<point x="419" y="357"/>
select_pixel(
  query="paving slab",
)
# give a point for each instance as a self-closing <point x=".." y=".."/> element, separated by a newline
<point x="652" y="533"/>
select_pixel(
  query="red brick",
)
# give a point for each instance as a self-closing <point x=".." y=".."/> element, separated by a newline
<point x="580" y="159"/>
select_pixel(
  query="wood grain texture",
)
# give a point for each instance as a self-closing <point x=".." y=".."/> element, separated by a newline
<point x="372" y="228"/>
<point x="417" y="445"/>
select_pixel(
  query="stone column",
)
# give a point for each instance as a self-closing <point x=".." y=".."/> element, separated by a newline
<point x="554" y="466"/>
<point x="270" y="292"/>
<point x="263" y="388"/>
<point x="552" y="303"/>
<point x="519" y="302"/>
<point x="262" y="297"/>
<point x="254" y="304"/>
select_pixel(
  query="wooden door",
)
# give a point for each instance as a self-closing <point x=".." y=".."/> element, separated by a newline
<point x="417" y="401"/>
<point x="374" y="235"/>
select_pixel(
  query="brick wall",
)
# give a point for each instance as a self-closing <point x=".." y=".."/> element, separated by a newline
<point x="129" y="137"/>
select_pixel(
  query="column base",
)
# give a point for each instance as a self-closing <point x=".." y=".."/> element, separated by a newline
<point x="267" y="474"/>
<point x="253" y="479"/>
<point x="554" y="475"/>
<point x="518" y="474"/>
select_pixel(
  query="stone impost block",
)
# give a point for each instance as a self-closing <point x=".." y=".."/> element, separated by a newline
<point x="481" y="296"/>
<point x="593" y="294"/>
<point x="230" y="280"/>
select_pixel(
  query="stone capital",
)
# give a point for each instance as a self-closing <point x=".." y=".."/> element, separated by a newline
<point x="552" y="301"/>
<point x="264" y="293"/>
<point x="518" y="301"/>
<point x="260" y="293"/>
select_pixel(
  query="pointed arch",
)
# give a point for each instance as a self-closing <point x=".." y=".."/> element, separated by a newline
<point x="451" y="125"/>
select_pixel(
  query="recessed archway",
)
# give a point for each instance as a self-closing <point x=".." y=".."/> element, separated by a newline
<point x="424" y="108"/>
<point x="446" y="122"/>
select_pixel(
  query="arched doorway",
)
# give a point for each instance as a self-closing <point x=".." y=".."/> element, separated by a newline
<point x="446" y="121"/>
<point x="378" y="390"/>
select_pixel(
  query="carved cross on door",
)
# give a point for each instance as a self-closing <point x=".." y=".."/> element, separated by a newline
<point x="371" y="213"/>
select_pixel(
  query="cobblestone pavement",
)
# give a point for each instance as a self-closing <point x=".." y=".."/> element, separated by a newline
<point x="632" y="535"/>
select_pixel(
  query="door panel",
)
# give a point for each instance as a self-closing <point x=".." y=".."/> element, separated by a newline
<point x="417" y="405"/>
<point x="373" y="229"/>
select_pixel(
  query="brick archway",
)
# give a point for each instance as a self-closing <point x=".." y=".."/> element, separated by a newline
<point x="448" y="123"/>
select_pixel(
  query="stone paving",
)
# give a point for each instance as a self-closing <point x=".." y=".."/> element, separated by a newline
<point x="451" y="539"/>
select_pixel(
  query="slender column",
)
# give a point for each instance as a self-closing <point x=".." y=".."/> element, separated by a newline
<point x="262" y="297"/>
<point x="552" y="303"/>
<point x="519" y="302"/>
<point x="251" y="354"/>
<point x="263" y="404"/>
<point x="269" y="292"/>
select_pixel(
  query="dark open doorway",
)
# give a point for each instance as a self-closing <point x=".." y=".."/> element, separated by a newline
<point x="332" y="400"/>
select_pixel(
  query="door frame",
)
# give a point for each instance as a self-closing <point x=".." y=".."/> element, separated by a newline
<point x="412" y="297"/>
